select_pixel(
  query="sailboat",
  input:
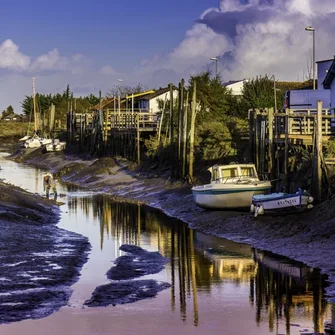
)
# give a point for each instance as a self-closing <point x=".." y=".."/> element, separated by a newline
<point x="35" y="141"/>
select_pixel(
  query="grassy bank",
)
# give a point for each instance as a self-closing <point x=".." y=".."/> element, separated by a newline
<point x="14" y="129"/>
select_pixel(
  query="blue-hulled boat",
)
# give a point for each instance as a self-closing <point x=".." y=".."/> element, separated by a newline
<point x="281" y="202"/>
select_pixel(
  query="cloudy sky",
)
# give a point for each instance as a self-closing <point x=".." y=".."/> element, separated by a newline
<point x="91" y="44"/>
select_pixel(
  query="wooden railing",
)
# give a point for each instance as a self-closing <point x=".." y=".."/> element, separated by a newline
<point x="136" y="120"/>
<point x="303" y="123"/>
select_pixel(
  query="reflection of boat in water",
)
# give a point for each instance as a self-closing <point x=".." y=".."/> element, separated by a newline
<point x="230" y="260"/>
<point x="282" y="264"/>
<point x="231" y="186"/>
<point x="218" y="247"/>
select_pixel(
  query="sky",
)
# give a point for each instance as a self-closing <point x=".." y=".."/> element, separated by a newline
<point x="91" y="44"/>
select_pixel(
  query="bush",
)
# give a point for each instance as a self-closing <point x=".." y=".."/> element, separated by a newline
<point x="214" y="141"/>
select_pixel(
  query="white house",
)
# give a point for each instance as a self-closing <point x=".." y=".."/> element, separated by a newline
<point x="150" y="101"/>
<point x="322" y="68"/>
<point x="236" y="86"/>
<point x="329" y="83"/>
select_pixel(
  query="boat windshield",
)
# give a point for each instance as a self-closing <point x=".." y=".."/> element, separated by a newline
<point x="248" y="172"/>
<point x="229" y="173"/>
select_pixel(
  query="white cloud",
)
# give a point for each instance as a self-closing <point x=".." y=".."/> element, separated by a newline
<point x="11" y="58"/>
<point x="256" y="38"/>
<point x="50" y="61"/>
<point x="107" y="70"/>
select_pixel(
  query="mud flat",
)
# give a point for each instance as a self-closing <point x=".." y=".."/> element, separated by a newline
<point x="38" y="261"/>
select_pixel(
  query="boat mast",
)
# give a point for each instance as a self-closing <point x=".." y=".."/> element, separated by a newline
<point x="35" y="113"/>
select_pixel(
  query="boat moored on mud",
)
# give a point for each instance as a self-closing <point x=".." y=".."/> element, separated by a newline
<point x="231" y="186"/>
<point x="281" y="203"/>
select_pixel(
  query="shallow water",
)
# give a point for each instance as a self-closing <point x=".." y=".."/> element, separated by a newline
<point x="217" y="286"/>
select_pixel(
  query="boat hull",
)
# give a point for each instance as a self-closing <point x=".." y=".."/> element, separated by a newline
<point x="281" y="202"/>
<point x="224" y="196"/>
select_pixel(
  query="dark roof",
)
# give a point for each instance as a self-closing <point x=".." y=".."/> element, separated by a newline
<point x="322" y="61"/>
<point x="156" y="94"/>
<point x="104" y="103"/>
<point x="230" y="82"/>
<point x="330" y="76"/>
<point x="12" y="116"/>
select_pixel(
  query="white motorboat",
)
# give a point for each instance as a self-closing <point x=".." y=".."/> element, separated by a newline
<point x="281" y="202"/>
<point x="231" y="186"/>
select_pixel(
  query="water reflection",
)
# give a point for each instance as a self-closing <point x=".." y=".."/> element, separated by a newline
<point x="215" y="283"/>
<point x="279" y="289"/>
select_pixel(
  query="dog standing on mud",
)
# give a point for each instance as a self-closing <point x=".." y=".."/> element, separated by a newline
<point x="48" y="183"/>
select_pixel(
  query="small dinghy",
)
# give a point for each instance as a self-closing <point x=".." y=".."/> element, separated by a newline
<point x="281" y="203"/>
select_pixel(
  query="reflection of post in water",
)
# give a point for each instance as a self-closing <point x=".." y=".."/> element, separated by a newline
<point x="193" y="279"/>
<point x="125" y="221"/>
<point x="173" y="302"/>
<point x="138" y="225"/>
<point x="319" y="304"/>
<point x="288" y="303"/>
<point x="182" y="272"/>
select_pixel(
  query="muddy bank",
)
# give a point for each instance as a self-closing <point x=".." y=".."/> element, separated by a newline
<point x="308" y="237"/>
<point x="38" y="261"/>
<point x="136" y="263"/>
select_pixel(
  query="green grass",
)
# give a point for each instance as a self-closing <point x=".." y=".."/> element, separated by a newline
<point x="14" y="129"/>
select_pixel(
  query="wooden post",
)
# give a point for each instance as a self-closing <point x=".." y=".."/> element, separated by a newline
<point x="180" y="98"/>
<point x="52" y="119"/>
<point x="194" y="99"/>
<point x="138" y="141"/>
<point x="287" y="186"/>
<point x="172" y="142"/>
<point x="270" y="144"/>
<point x="171" y="117"/>
<point x="251" y="135"/>
<point x="318" y="155"/>
<point x="256" y="139"/>
<point x="180" y="127"/>
<point x="161" y="120"/>
<point x="185" y="137"/>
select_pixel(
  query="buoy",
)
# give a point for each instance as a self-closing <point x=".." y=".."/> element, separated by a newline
<point x="310" y="206"/>
<point x="261" y="210"/>
<point x="252" y="208"/>
<point x="310" y="200"/>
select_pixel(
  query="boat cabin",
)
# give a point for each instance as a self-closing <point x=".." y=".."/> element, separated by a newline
<point x="233" y="173"/>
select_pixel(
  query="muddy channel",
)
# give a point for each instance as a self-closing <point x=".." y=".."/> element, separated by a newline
<point x="96" y="266"/>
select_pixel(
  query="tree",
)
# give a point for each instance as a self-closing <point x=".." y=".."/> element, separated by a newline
<point x="212" y="96"/>
<point x="9" y="110"/>
<point x="258" y="93"/>
<point x="124" y="90"/>
<point x="61" y="102"/>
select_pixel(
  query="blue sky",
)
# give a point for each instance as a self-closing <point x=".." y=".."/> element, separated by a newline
<point x="91" y="44"/>
<point x="121" y="32"/>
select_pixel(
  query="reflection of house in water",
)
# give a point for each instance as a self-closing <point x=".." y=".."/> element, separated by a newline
<point x="283" y="287"/>
<point x="229" y="260"/>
